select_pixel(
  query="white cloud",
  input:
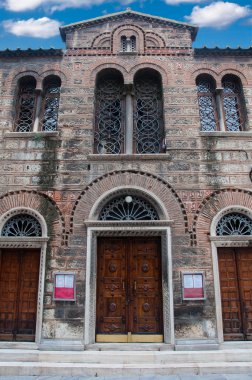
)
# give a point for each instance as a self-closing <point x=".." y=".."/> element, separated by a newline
<point x="217" y="15"/>
<point x="41" y="28"/>
<point x="175" y="2"/>
<point x="24" y="5"/>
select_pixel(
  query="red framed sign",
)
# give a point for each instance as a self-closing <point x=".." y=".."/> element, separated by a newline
<point x="193" y="286"/>
<point x="64" y="287"/>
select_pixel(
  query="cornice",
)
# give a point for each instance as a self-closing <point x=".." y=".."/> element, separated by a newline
<point x="31" y="53"/>
<point x="205" y="51"/>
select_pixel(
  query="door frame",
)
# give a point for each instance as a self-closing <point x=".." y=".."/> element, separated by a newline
<point x="129" y="228"/>
<point x="27" y="243"/>
<point x="225" y="241"/>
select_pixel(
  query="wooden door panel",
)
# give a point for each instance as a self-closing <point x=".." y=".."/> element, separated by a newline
<point x="231" y="311"/>
<point x="9" y="285"/>
<point x="146" y="306"/>
<point x="19" y="273"/>
<point x="235" y="266"/>
<point x="244" y="263"/>
<point x="111" y="295"/>
<point x="129" y="295"/>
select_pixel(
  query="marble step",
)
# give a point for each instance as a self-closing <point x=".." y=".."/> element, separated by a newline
<point x="126" y="357"/>
<point x="112" y="369"/>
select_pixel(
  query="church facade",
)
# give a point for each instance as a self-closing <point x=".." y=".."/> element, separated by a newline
<point x="125" y="189"/>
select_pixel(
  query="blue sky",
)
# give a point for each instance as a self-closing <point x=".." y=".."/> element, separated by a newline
<point x="34" y="23"/>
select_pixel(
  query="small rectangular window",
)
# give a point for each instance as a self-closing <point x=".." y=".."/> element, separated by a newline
<point x="64" y="287"/>
<point x="193" y="286"/>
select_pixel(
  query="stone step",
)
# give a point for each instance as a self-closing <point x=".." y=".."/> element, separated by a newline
<point x="109" y="369"/>
<point x="126" y="357"/>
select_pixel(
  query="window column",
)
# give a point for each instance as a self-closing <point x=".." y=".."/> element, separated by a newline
<point x="129" y="119"/>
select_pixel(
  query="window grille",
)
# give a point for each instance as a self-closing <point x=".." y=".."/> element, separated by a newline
<point x="148" y="123"/>
<point x="51" y="105"/>
<point x="22" y="225"/>
<point x="207" y="105"/>
<point x="128" y="208"/>
<point x="132" y="43"/>
<point x="124" y="43"/>
<point x="234" y="224"/>
<point x="26" y="105"/>
<point x="109" y="134"/>
<point x="232" y="104"/>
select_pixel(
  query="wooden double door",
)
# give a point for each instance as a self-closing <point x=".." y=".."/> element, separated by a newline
<point x="235" y="269"/>
<point x="19" y="275"/>
<point x="129" y="290"/>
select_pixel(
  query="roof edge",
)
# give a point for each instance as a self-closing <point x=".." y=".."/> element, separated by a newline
<point x="128" y="11"/>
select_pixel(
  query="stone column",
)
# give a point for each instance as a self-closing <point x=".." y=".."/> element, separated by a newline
<point x="128" y="119"/>
<point x="38" y="110"/>
<point x="219" y="107"/>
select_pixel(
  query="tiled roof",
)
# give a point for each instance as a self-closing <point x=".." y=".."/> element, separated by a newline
<point x="31" y="53"/>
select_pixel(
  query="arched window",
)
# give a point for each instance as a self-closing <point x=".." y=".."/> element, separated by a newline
<point x="128" y="44"/>
<point x="207" y="105"/>
<point x="232" y="103"/>
<point x="234" y="224"/>
<point x="148" y="115"/>
<point x="128" y="207"/>
<point x="133" y="43"/>
<point x="26" y="104"/>
<point x="124" y="44"/>
<point x="22" y="225"/>
<point x="51" y="97"/>
<point x="109" y="123"/>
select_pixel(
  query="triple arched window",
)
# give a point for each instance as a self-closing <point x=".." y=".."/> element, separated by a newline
<point x="129" y="118"/>
<point x="37" y="110"/>
<point x="221" y="109"/>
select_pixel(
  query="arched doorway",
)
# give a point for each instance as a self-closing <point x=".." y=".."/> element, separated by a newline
<point x="22" y="232"/>
<point x="129" y="286"/>
<point x="235" y="275"/>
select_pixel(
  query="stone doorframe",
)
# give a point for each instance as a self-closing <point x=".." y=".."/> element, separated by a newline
<point x="224" y="241"/>
<point x="26" y="243"/>
<point x="128" y="228"/>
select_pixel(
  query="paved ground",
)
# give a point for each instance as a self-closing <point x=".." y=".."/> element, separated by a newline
<point x="170" y="377"/>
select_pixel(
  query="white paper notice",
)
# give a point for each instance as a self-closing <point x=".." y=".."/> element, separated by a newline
<point x="60" y="283"/>
<point x="188" y="281"/>
<point x="198" y="281"/>
<point x="69" y="281"/>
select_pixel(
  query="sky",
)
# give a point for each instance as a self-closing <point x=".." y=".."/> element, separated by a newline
<point x="35" y="23"/>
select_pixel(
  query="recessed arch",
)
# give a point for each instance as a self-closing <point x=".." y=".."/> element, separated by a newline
<point x="128" y="191"/>
<point x="22" y="211"/>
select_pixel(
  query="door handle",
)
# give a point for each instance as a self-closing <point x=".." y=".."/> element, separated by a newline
<point x="123" y="285"/>
<point x="135" y="285"/>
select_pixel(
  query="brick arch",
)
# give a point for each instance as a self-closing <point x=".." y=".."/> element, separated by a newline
<point x="235" y="72"/>
<point x="155" y="37"/>
<point x="100" y="39"/>
<point x="39" y="202"/>
<point x="13" y="78"/>
<point x="149" y="65"/>
<point x="157" y="186"/>
<point x="57" y="73"/>
<point x="196" y="73"/>
<point x="109" y="65"/>
<point x="212" y="205"/>
<point x="119" y="31"/>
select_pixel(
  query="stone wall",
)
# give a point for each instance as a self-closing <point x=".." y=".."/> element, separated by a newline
<point x="62" y="167"/>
